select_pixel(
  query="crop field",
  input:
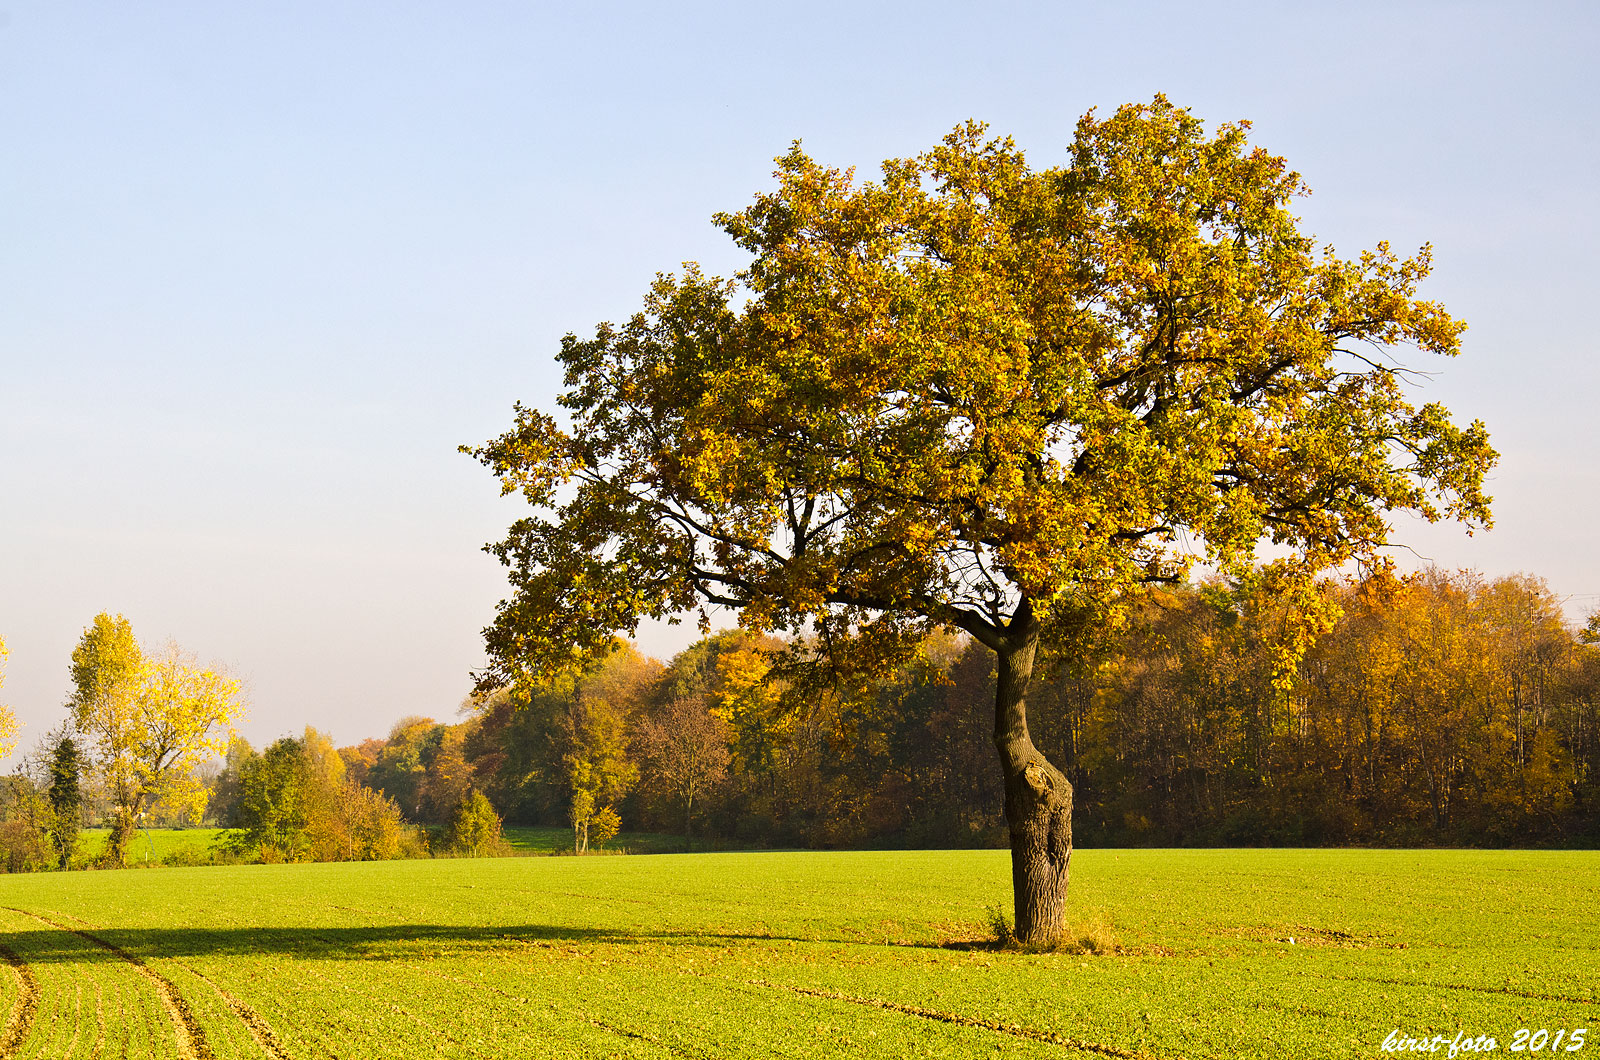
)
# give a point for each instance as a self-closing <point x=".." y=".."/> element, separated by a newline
<point x="1279" y="953"/>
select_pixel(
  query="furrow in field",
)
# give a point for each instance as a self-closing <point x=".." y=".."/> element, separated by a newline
<point x="1016" y="1031"/>
<point x="77" y="1019"/>
<point x="191" y="1040"/>
<point x="21" y="1019"/>
<point x="99" y="1020"/>
<point x="400" y="1010"/>
<point x="1422" y="985"/>
<point x="259" y="1028"/>
<point x="623" y="1032"/>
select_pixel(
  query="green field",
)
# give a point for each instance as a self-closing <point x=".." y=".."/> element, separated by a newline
<point x="798" y="955"/>
<point x="149" y="844"/>
<point x="152" y="846"/>
<point x="535" y="839"/>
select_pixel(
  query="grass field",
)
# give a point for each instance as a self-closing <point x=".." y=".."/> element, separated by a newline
<point x="1272" y="953"/>
<point x="148" y="844"/>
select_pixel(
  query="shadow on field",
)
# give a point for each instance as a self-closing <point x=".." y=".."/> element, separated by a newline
<point x="393" y="942"/>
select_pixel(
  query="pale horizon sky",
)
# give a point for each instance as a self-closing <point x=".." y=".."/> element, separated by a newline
<point x="265" y="268"/>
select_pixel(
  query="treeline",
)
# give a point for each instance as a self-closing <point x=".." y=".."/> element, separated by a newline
<point x="299" y="801"/>
<point x="1439" y="709"/>
<point x="293" y="801"/>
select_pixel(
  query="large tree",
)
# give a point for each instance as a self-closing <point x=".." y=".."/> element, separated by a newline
<point x="980" y="396"/>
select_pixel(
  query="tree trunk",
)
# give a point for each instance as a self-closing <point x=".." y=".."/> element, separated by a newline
<point x="1038" y="796"/>
<point x="688" y="819"/>
<point x="122" y="829"/>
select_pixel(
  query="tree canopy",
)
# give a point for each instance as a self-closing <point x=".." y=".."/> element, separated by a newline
<point x="974" y="384"/>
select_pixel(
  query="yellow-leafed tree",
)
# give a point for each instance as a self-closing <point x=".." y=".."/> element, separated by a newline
<point x="8" y="720"/>
<point x="149" y="718"/>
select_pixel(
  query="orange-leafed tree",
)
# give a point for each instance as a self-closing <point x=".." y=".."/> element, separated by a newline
<point x="981" y="396"/>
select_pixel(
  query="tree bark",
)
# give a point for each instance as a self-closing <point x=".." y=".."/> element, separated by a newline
<point x="688" y="819"/>
<point x="1038" y="795"/>
<point x="123" y="826"/>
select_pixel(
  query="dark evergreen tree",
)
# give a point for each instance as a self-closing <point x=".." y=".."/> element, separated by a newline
<point x="65" y="796"/>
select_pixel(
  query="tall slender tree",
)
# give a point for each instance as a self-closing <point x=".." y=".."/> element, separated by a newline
<point x="8" y="720"/>
<point x="66" y="798"/>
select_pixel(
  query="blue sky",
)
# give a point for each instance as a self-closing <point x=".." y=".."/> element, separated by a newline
<point x="263" y="268"/>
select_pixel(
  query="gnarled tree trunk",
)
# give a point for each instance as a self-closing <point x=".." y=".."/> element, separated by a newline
<point x="1038" y="797"/>
<point x="123" y="825"/>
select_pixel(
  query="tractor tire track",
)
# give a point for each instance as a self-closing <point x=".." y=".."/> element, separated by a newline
<point x="1506" y="990"/>
<point x="399" y="1010"/>
<point x="259" y="1028"/>
<point x="620" y="1031"/>
<point x="99" y="1020"/>
<point x="1012" y="1029"/>
<point x="191" y="1040"/>
<point x="21" y="1019"/>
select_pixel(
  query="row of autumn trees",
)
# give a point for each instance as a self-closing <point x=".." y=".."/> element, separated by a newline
<point x="298" y="801"/>
<point x="1438" y="708"/>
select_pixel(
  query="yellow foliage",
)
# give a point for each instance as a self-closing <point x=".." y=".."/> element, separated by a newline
<point x="752" y="703"/>
<point x="150" y="719"/>
<point x="8" y="720"/>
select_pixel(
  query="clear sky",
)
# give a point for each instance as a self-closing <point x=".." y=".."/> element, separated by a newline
<point x="264" y="266"/>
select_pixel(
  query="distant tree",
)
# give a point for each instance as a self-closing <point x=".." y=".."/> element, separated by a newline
<point x="476" y="829"/>
<point x="326" y="795"/>
<point x="105" y="672"/>
<point x="401" y="768"/>
<point x="272" y="816"/>
<point x="378" y="830"/>
<point x="684" y="751"/>
<point x="8" y="720"/>
<point x="23" y="847"/>
<point x="24" y="819"/>
<point x="65" y="795"/>
<point x="512" y="749"/>
<point x="224" y="801"/>
<point x="580" y="812"/>
<point x="749" y="696"/>
<point x="296" y="803"/>
<point x="360" y="758"/>
<point x="604" y="826"/>
<point x="448" y="776"/>
<point x="591" y="732"/>
<point x="150" y="719"/>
